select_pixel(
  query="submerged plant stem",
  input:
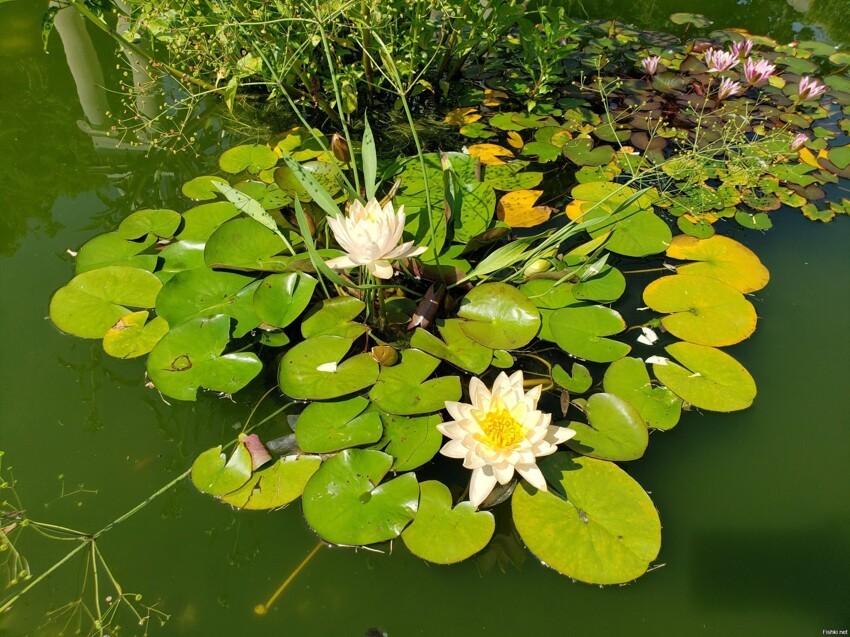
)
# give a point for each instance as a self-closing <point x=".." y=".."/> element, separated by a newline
<point x="262" y="609"/>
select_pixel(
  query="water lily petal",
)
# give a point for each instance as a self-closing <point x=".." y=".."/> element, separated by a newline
<point x="534" y="476"/>
<point x="481" y="485"/>
<point x="381" y="269"/>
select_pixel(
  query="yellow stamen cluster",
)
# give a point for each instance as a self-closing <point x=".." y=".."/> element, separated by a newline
<point x="502" y="430"/>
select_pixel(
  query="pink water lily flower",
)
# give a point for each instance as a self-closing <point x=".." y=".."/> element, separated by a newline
<point x="650" y="64"/>
<point x="799" y="141"/>
<point x="742" y="48"/>
<point x="728" y="88"/>
<point x="718" y="60"/>
<point x="370" y="236"/>
<point x="758" y="72"/>
<point x="809" y="89"/>
<point x="499" y="432"/>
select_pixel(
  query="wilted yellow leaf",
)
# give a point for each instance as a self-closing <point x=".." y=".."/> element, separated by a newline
<point x="575" y="209"/>
<point x="807" y="157"/>
<point x="494" y="97"/>
<point x="489" y="154"/>
<point x="515" y="139"/>
<point x="461" y="116"/>
<point x="517" y="209"/>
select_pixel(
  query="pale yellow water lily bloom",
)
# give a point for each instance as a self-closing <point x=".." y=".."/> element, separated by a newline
<point x="370" y="236"/>
<point x="501" y="431"/>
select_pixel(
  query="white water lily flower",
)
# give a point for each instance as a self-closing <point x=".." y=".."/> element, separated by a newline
<point x="370" y="236"/>
<point x="499" y="432"/>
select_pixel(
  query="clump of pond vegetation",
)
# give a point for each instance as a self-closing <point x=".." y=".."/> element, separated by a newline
<point x="533" y="298"/>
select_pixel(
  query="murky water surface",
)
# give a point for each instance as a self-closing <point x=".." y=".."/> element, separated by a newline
<point x="754" y="504"/>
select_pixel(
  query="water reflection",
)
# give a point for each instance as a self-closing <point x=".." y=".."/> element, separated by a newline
<point x="783" y="21"/>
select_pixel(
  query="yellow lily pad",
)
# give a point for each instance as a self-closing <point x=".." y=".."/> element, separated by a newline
<point x="720" y="258"/>
<point x="461" y="116"/>
<point x="517" y="209"/>
<point x="490" y="154"/>
<point x="701" y="310"/>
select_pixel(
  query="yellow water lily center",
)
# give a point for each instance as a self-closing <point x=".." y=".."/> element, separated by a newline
<point x="370" y="236"/>
<point x="500" y="431"/>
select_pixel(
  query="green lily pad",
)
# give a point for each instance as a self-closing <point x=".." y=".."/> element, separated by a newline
<point x="627" y="378"/>
<point x="92" y="302"/>
<point x="545" y="152"/>
<point x="499" y="316"/>
<point x="699" y="228"/>
<point x="269" y="196"/>
<point x="332" y="426"/>
<point x="204" y="292"/>
<point x="548" y="294"/>
<point x="112" y="249"/>
<point x="133" y="336"/>
<point x="635" y="232"/>
<point x="252" y="158"/>
<point x="411" y="441"/>
<point x="701" y="310"/>
<point x="511" y="177"/>
<point x="456" y="347"/>
<point x="720" y="258"/>
<point x="606" y="286"/>
<point x="478" y="204"/>
<point x="325" y="175"/>
<point x="696" y="19"/>
<point x="179" y="257"/>
<point x="710" y="378"/>
<point x="580" y="331"/>
<point x="160" y="222"/>
<point x="201" y="221"/>
<point x="312" y="369"/>
<point x="505" y="121"/>
<point x="615" y="430"/>
<point x="577" y="381"/>
<point x="758" y="221"/>
<point x="244" y="244"/>
<point x="582" y="153"/>
<point x="214" y="474"/>
<point x="275" y="486"/>
<point x="443" y="535"/>
<point x="201" y="188"/>
<point x="281" y="298"/>
<point x="346" y="503"/>
<point x="189" y="357"/>
<point x="333" y="317"/>
<point x="598" y="526"/>
<point x="403" y="390"/>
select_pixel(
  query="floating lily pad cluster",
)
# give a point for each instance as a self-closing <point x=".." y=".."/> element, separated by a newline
<point x="710" y="158"/>
<point x="374" y="313"/>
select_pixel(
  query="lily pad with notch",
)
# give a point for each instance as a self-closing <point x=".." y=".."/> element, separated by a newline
<point x="314" y="370"/>
<point x="275" y="486"/>
<point x="444" y="535"/>
<point x="325" y="427"/>
<point x="499" y="316"/>
<point x="628" y="378"/>
<point x="707" y="378"/>
<point x="403" y="389"/>
<point x="615" y="430"/>
<point x="597" y="525"/>
<point x="92" y="302"/>
<point x="346" y="503"/>
<point x="189" y="357"/>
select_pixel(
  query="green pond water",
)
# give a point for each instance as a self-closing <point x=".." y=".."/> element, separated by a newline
<point x="754" y="504"/>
